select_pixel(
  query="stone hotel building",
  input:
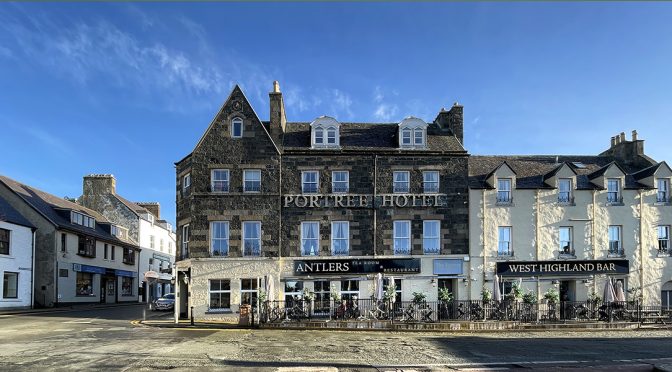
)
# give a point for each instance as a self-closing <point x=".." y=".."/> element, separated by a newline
<point x="326" y="205"/>
<point x="320" y="205"/>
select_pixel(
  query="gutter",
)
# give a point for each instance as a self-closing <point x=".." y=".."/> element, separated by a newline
<point x="32" y="272"/>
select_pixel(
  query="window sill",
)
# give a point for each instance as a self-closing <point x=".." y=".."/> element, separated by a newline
<point x="566" y="204"/>
<point x="615" y="204"/>
<point x="615" y="255"/>
<point x="505" y="204"/>
<point x="663" y="254"/>
<point x="662" y="204"/>
<point x="506" y="258"/>
<point x="86" y="255"/>
<point x="567" y="256"/>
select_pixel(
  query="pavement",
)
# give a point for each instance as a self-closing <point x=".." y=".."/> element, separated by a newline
<point x="111" y="339"/>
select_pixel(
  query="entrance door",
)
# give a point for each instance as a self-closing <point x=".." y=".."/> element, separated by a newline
<point x="567" y="295"/>
<point x="111" y="290"/>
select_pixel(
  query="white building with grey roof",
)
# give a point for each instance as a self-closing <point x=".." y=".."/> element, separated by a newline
<point x="16" y="258"/>
<point x="569" y="223"/>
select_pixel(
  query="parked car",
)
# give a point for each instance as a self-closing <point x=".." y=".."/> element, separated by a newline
<point x="167" y="302"/>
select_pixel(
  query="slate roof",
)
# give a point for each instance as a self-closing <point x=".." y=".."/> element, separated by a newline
<point x="531" y="170"/>
<point x="132" y="206"/>
<point x="51" y="207"/>
<point x="11" y="215"/>
<point x="650" y="171"/>
<point x="367" y="137"/>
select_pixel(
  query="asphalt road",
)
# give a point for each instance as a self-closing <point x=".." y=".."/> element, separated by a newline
<point x="105" y="339"/>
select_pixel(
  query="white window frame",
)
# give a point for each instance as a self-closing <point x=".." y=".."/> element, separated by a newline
<point x="421" y="131"/>
<point x="224" y="182"/>
<point x="396" y="238"/>
<point x="425" y="182"/>
<point x="406" y="137"/>
<point x="565" y="196"/>
<point x="82" y="219"/>
<point x="618" y="249"/>
<point x="570" y="241"/>
<point x="237" y="121"/>
<point x="509" y="243"/>
<point x="245" y="238"/>
<point x="152" y="243"/>
<point x="330" y="131"/>
<point x="186" y="181"/>
<point x="16" y="285"/>
<point x="334" y="188"/>
<point x="504" y="193"/>
<point x="224" y="227"/>
<point x="304" y="183"/>
<point x="663" y="239"/>
<point x="663" y="193"/>
<point x="219" y="291"/>
<point x="349" y="294"/>
<point x="245" y="181"/>
<point x="320" y="131"/>
<point x="426" y="238"/>
<point x="304" y="239"/>
<point x="334" y="239"/>
<point x="185" y="240"/>
<point x="9" y="243"/>
<point x="396" y="184"/>
<point x="611" y="198"/>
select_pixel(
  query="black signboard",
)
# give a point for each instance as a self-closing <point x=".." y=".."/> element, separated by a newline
<point x="357" y="266"/>
<point x="556" y="268"/>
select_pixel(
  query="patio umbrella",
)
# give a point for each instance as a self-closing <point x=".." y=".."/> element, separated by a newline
<point x="609" y="294"/>
<point x="269" y="288"/>
<point x="390" y="279"/>
<point x="496" y="294"/>
<point x="620" y="295"/>
<point x="378" y="285"/>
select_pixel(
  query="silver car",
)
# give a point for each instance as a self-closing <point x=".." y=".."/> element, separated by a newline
<point x="167" y="302"/>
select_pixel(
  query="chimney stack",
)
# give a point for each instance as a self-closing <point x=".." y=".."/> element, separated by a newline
<point x="452" y="121"/>
<point x="613" y="141"/>
<point x="634" y="135"/>
<point x="622" y="137"/>
<point x="153" y="208"/>
<point x="277" y="118"/>
<point x="99" y="184"/>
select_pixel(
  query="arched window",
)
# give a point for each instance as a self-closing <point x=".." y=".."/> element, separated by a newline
<point x="418" y="137"/>
<point x="237" y="128"/>
<point x="319" y="136"/>
<point x="331" y="136"/>
<point x="406" y="136"/>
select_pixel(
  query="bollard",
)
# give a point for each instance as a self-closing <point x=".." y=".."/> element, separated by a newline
<point x="192" y="315"/>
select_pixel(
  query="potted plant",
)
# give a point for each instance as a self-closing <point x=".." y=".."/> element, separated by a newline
<point x="390" y="292"/>
<point x="419" y="298"/>
<point x="530" y="298"/>
<point x="552" y="296"/>
<point x="486" y="295"/>
<point x="594" y="298"/>
<point x="446" y="297"/>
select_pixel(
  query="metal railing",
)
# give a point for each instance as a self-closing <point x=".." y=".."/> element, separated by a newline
<point x="430" y="187"/>
<point x="504" y="197"/>
<point x="565" y="197"/>
<point x="401" y="187"/>
<point x="340" y="188"/>
<point x="369" y="309"/>
<point x="614" y="197"/>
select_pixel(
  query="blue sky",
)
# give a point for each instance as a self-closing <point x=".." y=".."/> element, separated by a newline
<point x="128" y="88"/>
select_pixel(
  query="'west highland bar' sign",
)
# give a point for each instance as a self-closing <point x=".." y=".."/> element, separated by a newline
<point x="361" y="266"/>
<point x="559" y="268"/>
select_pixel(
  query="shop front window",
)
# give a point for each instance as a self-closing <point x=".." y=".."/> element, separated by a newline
<point x="293" y="292"/>
<point x="10" y="284"/>
<point x="349" y="289"/>
<point x="126" y="286"/>
<point x="220" y="294"/>
<point x="84" y="284"/>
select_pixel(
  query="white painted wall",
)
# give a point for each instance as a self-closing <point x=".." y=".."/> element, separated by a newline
<point x="19" y="260"/>
<point x="146" y="230"/>
<point x="536" y="217"/>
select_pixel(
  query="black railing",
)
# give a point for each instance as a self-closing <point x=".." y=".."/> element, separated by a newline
<point x="614" y="198"/>
<point x="460" y="310"/>
<point x="504" y="197"/>
<point x="565" y="198"/>
<point x="400" y="187"/>
<point x="663" y="197"/>
<point x="430" y="187"/>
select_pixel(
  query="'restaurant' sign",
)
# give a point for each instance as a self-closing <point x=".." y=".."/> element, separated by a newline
<point x="361" y="266"/>
<point x="364" y="201"/>
<point x="552" y="268"/>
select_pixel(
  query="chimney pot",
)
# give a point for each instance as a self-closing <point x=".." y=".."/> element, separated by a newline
<point x="634" y="135"/>
<point x="276" y="87"/>
<point x="622" y="137"/>
<point x="613" y="141"/>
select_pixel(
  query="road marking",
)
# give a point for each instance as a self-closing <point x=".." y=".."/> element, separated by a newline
<point x="92" y="329"/>
<point x="117" y="329"/>
<point x="63" y="330"/>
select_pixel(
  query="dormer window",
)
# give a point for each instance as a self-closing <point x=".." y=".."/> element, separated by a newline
<point x="504" y="190"/>
<point x="412" y="133"/>
<point x="237" y="128"/>
<point x="565" y="190"/>
<point x="322" y="127"/>
<point x="81" y="219"/>
<point x="119" y="232"/>
<point x="614" y="190"/>
<point x="663" y="195"/>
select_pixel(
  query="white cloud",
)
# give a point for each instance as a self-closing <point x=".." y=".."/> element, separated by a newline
<point x="47" y="139"/>
<point x="341" y="104"/>
<point x="377" y="95"/>
<point x="385" y="112"/>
